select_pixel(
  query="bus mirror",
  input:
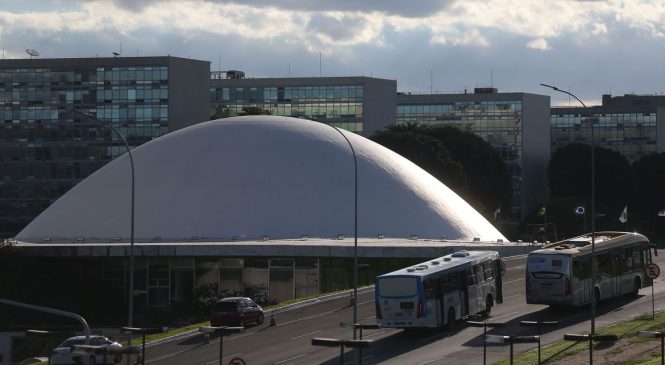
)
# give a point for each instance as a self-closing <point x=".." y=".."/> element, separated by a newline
<point x="655" y="249"/>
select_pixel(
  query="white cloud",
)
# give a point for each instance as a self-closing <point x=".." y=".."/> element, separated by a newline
<point x="540" y="43"/>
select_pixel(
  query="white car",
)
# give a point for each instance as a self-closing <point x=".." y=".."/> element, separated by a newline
<point x="65" y="354"/>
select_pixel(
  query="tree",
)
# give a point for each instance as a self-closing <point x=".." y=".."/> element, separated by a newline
<point x="650" y="193"/>
<point x="253" y="110"/>
<point x="461" y="160"/>
<point x="426" y="152"/>
<point x="569" y="175"/>
<point x="489" y="179"/>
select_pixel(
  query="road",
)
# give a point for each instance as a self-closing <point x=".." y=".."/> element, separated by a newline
<point x="290" y="341"/>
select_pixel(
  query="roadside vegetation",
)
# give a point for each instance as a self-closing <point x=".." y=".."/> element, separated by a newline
<point x="628" y="350"/>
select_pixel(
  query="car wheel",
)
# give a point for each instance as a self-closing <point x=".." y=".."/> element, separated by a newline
<point x="242" y="322"/>
<point x="117" y="358"/>
<point x="92" y="360"/>
<point x="260" y="318"/>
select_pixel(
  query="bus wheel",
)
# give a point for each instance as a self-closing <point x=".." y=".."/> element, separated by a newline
<point x="488" y="306"/>
<point x="451" y="318"/>
<point x="637" y="285"/>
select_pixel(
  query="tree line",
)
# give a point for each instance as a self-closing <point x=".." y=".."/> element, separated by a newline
<point x="472" y="168"/>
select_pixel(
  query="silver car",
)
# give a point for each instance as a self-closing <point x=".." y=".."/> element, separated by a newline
<point x="65" y="353"/>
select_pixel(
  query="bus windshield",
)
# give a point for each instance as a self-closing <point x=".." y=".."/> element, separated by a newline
<point x="398" y="287"/>
<point x="546" y="265"/>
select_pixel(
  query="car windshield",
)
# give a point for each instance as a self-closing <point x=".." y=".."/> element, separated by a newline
<point x="73" y="341"/>
<point x="225" y="306"/>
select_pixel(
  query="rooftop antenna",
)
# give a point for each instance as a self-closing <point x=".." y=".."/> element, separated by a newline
<point x="431" y="82"/>
<point x="116" y="54"/>
<point x="289" y="70"/>
<point x="32" y="52"/>
<point x="320" y="64"/>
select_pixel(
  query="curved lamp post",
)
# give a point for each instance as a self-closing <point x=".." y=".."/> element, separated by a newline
<point x="130" y="319"/>
<point x="355" y="230"/>
<point x="593" y="214"/>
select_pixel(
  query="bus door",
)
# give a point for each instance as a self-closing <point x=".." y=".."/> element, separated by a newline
<point x="473" y="291"/>
<point x="582" y="280"/>
<point x="433" y="298"/>
<point x="464" y="291"/>
<point x="618" y="267"/>
<point x="499" y="270"/>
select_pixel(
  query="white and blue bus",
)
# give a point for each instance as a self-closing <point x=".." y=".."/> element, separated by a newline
<point x="559" y="274"/>
<point x="441" y="291"/>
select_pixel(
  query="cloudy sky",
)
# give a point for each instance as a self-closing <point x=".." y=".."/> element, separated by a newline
<point x="588" y="47"/>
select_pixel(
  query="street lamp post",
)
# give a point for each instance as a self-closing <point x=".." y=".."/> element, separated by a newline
<point x="130" y="316"/>
<point x="355" y="232"/>
<point x="593" y="213"/>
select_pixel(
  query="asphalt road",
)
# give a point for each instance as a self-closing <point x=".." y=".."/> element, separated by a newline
<point x="290" y="341"/>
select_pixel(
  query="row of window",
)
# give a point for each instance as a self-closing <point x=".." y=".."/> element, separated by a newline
<point x="484" y="107"/>
<point x="340" y="93"/>
<point x="91" y="75"/>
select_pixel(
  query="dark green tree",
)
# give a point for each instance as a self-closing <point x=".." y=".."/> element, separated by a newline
<point x="650" y="194"/>
<point x="426" y="152"/>
<point x="569" y="174"/>
<point x="253" y="110"/>
<point x="461" y="160"/>
<point x="488" y="176"/>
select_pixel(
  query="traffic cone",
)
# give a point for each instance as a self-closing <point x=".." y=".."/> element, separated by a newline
<point x="273" y="322"/>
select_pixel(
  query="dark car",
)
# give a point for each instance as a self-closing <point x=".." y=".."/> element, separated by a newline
<point x="235" y="311"/>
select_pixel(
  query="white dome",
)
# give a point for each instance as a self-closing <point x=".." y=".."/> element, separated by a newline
<point x="246" y="177"/>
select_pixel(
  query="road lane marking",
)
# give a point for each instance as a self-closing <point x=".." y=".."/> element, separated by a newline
<point x="290" y="359"/>
<point x="433" y="360"/>
<point x="305" y="335"/>
<point x="369" y="317"/>
<point x="374" y="334"/>
<point x="353" y="360"/>
<point x="504" y="315"/>
<point x="224" y="358"/>
<point x="513" y="281"/>
<point x="365" y="302"/>
<point x="512" y="296"/>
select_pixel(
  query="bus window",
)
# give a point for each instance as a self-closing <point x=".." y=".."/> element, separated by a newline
<point x="489" y="270"/>
<point x="470" y="277"/>
<point x="450" y="282"/>
<point x="479" y="272"/>
<point x="430" y="286"/>
<point x="396" y="287"/>
<point x="603" y="264"/>
<point x="581" y="268"/>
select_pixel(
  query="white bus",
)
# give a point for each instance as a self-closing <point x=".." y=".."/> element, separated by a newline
<point x="440" y="291"/>
<point x="560" y="273"/>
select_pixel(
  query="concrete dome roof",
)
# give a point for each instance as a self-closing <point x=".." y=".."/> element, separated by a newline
<point x="246" y="177"/>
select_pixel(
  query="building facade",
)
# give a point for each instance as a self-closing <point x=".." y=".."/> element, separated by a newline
<point x="46" y="148"/>
<point x="633" y="125"/>
<point x="515" y="124"/>
<point x="357" y="104"/>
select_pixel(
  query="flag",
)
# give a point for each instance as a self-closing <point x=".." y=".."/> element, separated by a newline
<point x="662" y="213"/>
<point x="579" y="210"/>
<point x="623" y="218"/>
<point x="541" y="211"/>
<point x="497" y="212"/>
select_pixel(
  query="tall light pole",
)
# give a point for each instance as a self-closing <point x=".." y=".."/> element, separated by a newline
<point x="355" y="230"/>
<point x="130" y="319"/>
<point x="593" y="215"/>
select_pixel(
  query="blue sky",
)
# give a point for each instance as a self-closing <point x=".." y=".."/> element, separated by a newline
<point x="588" y="47"/>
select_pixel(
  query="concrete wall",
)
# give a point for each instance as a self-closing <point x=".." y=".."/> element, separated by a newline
<point x="189" y="100"/>
<point x="379" y="109"/>
<point x="536" y="147"/>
